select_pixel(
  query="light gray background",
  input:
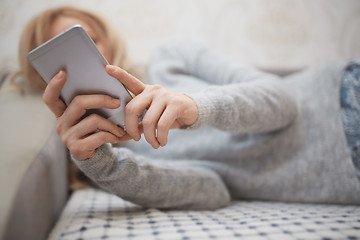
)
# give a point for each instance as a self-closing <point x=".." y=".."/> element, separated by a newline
<point x="268" y="34"/>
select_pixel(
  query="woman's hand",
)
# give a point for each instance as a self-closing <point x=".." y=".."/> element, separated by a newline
<point x="165" y="109"/>
<point x="76" y="133"/>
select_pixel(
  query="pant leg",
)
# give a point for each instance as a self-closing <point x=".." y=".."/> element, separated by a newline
<point x="350" y="110"/>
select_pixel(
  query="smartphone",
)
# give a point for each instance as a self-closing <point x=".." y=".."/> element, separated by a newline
<point x="75" y="52"/>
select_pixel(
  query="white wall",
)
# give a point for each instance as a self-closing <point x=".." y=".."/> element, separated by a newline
<point x="271" y="34"/>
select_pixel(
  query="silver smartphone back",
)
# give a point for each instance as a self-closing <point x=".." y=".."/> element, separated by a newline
<point x="76" y="53"/>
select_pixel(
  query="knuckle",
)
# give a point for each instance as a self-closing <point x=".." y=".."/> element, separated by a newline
<point x="130" y="109"/>
<point x="106" y="137"/>
<point x="147" y="122"/>
<point x="78" y="100"/>
<point x="175" y="100"/>
<point x="93" y="118"/>
<point x="156" y="87"/>
<point x="76" y="149"/>
<point x="162" y="126"/>
<point x="46" y="99"/>
<point x="65" y="138"/>
<point x="100" y="135"/>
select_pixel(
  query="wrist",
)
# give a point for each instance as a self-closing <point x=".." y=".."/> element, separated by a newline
<point x="205" y="110"/>
<point x="191" y="114"/>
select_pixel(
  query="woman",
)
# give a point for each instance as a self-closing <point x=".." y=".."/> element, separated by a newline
<point x="253" y="135"/>
<point x="39" y="29"/>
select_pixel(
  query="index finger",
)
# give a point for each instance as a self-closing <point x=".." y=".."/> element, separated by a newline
<point x="129" y="81"/>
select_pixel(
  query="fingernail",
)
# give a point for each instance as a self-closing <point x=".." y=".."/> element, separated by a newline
<point x="116" y="101"/>
<point x="110" y="68"/>
<point x="60" y="74"/>
<point x="137" y="138"/>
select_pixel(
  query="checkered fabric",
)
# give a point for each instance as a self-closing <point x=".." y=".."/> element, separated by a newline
<point x="94" y="214"/>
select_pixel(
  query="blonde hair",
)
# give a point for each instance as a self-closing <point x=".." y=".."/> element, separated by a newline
<point x="37" y="32"/>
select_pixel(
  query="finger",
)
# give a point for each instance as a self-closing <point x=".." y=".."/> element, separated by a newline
<point x="81" y="103"/>
<point x="129" y="81"/>
<point x="127" y="137"/>
<point x="95" y="122"/>
<point x="165" y="122"/>
<point x="51" y="95"/>
<point x="150" y="123"/>
<point x="85" y="148"/>
<point x="132" y="111"/>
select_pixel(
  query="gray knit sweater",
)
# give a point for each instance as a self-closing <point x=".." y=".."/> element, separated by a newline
<point x="257" y="137"/>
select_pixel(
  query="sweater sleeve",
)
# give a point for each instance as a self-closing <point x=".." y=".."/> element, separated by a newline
<point x="230" y="96"/>
<point x="155" y="183"/>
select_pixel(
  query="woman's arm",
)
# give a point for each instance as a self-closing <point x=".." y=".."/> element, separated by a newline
<point x="229" y="96"/>
<point x="158" y="184"/>
<point x="155" y="184"/>
<point x="188" y="58"/>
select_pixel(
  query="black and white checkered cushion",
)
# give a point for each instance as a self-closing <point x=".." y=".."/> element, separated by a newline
<point x="94" y="214"/>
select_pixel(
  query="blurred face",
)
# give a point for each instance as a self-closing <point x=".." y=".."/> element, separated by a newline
<point x="64" y="22"/>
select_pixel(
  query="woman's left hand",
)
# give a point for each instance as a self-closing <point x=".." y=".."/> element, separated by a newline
<point x="165" y="109"/>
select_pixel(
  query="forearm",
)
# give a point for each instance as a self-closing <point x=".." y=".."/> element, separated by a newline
<point x="251" y="107"/>
<point x="158" y="184"/>
<point x="179" y="58"/>
<point x="230" y="96"/>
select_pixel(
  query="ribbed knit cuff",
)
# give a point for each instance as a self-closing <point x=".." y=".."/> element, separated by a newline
<point x="205" y="110"/>
<point x="91" y="166"/>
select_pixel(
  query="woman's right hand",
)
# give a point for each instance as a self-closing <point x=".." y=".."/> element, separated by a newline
<point x="77" y="133"/>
